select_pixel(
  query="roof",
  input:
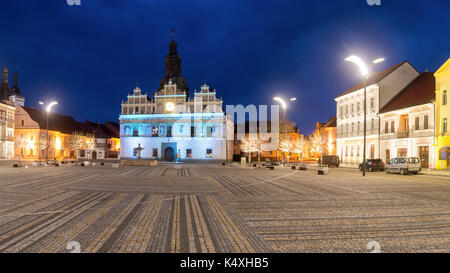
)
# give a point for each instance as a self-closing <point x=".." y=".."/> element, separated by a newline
<point x="332" y="122"/>
<point x="373" y="78"/>
<point x="68" y="125"/>
<point x="419" y="91"/>
<point x="56" y="122"/>
<point x="99" y="130"/>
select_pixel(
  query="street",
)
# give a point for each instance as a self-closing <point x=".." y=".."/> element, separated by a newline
<point x="213" y="208"/>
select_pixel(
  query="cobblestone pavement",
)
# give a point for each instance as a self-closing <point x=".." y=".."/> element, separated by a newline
<point x="212" y="208"/>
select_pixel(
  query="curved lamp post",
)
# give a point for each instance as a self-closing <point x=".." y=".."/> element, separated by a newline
<point x="364" y="72"/>
<point x="48" y="109"/>
<point x="284" y="106"/>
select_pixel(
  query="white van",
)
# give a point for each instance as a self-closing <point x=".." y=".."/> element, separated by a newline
<point x="404" y="165"/>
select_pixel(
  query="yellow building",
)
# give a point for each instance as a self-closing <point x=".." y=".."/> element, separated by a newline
<point x="442" y="116"/>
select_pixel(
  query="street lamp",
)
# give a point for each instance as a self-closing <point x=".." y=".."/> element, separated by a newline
<point x="48" y="109"/>
<point x="365" y="72"/>
<point x="284" y="106"/>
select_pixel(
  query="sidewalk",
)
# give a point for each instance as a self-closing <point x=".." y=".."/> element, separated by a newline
<point x="445" y="172"/>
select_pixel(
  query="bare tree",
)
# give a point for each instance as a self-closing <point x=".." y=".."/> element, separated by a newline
<point x="286" y="147"/>
<point x="249" y="145"/>
<point x="76" y="143"/>
<point x="21" y="143"/>
<point x="317" y="143"/>
<point x="299" y="146"/>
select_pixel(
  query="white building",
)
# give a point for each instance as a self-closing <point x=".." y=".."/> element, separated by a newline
<point x="381" y="88"/>
<point x="407" y="122"/>
<point x="171" y="124"/>
<point x="7" y="109"/>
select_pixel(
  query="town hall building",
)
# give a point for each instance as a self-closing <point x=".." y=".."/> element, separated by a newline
<point x="172" y="124"/>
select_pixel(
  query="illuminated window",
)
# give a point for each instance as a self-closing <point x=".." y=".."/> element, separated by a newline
<point x="209" y="153"/>
<point x="155" y="131"/>
<point x="444" y="125"/>
<point x="155" y="152"/>
<point x="188" y="153"/>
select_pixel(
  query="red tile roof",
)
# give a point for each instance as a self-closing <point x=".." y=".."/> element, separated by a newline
<point x="419" y="91"/>
<point x="373" y="78"/>
<point x="56" y="122"/>
<point x="68" y="125"/>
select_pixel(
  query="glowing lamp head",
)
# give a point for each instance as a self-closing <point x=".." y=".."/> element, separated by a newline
<point x="357" y="61"/>
<point x="281" y="101"/>
<point x="170" y="106"/>
<point x="49" y="107"/>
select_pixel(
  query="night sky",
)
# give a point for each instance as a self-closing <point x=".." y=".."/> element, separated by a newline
<point x="89" y="57"/>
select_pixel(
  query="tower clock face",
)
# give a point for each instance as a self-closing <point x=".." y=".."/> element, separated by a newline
<point x="170" y="106"/>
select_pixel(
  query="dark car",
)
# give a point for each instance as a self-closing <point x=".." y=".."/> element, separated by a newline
<point x="329" y="160"/>
<point x="373" y="165"/>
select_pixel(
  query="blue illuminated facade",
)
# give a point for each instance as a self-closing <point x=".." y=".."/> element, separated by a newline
<point x="172" y="125"/>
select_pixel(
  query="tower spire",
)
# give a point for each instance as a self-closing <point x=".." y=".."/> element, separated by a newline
<point x="4" y="86"/>
<point x="173" y="67"/>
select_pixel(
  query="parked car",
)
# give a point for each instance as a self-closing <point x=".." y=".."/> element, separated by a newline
<point x="329" y="160"/>
<point x="404" y="165"/>
<point x="373" y="165"/>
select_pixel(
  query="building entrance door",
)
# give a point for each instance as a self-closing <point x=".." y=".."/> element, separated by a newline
<point x="169" y="154"/>
<point x="424" y="155"/>
<point x="388" y="156"/>
<point x="94" y="155"/>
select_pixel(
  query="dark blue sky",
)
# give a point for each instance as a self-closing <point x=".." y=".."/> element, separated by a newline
<point x="90" y="57"/>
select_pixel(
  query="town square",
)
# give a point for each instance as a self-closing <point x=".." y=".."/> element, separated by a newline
<point x="193" y="208"/>
<point x="237" y="128"/>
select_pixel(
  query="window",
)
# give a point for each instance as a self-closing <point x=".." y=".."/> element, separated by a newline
<point x="392" y="126"/>
<point x="188" y="153"/>
<point x="402" y="152"/>
<point x="155" y="131"/>
<point x="372" y="124"/>
<point x="444" y="97"/>
<point x="416" y="124"/>
<point x="136" y="110"/>
<point x="353" y="127"/>
<point x="155" y="152"/>
<point x="169" y="131"/>
<point x="341" y="110"/>
<point x="135" y="132"/>
<point x="386" y="127"/>
<point x="209" y="131"/>
<point x="192" y="131"/>
<point x="346" y="109"/>
<point x="346" y="128"/>
<point x="425" y="122"/>
<point x="23" y="122"/>
<point x="372" y="103"/>
<point x="358" y="107"/>
<point x="353" y="108"/>
<point x="359" y="126"/>
<point x="208" y="153"/>
<point x="444" y="125"/>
